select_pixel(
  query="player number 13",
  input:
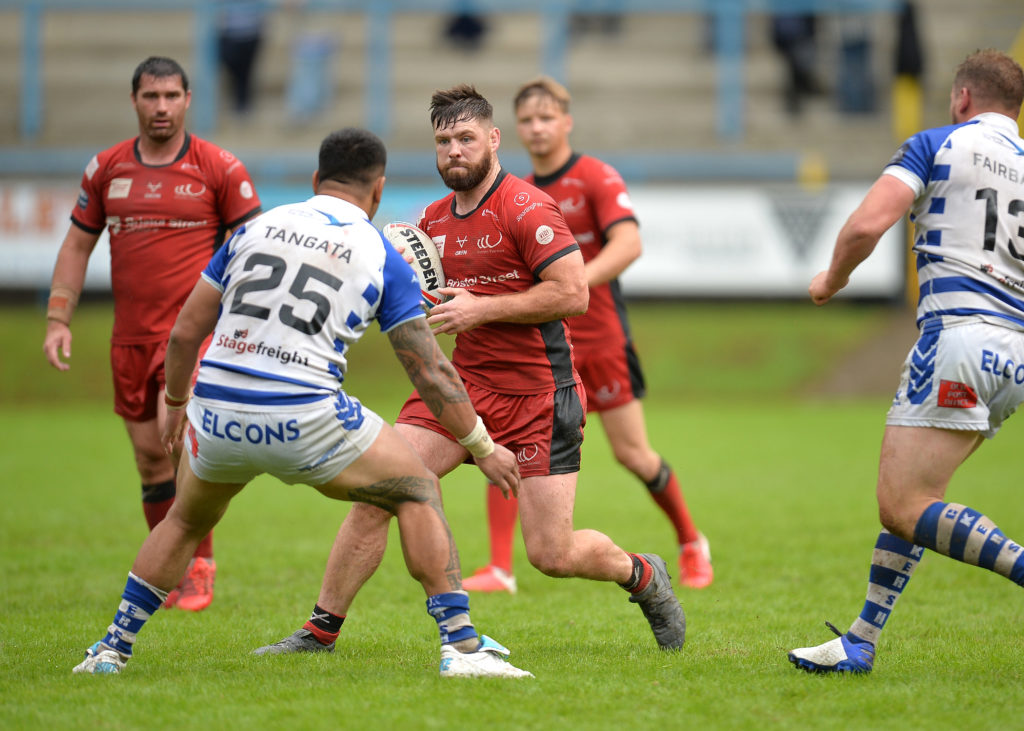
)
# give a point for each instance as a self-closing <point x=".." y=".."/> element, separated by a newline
<point x="991" y="198"/>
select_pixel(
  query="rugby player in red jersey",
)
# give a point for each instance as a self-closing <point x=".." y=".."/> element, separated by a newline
<point x="595" y="203"/>
<point x="514" y="274"/>
<point x="168" y="200"/>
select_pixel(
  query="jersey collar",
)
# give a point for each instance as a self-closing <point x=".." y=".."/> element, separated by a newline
<point x="181" y="153"/>
<point x="490" y="191"/>
<point x="542" y="180"/>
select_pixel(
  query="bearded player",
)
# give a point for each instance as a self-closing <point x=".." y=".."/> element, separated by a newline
<point x="514" y="275"/>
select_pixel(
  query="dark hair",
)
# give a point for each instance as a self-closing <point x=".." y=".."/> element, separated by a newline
<point x="352" y="156"/>
<point x="458" y="104"/>
<point x="160" y="67"/>
<point x="993" y="77"/>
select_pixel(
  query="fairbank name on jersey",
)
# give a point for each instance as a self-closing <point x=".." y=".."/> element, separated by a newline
<point x="998" y="168"/>
<point x="242" y="346"/>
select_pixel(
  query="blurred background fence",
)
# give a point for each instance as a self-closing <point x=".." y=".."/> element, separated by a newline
<point x="744" y="127"/>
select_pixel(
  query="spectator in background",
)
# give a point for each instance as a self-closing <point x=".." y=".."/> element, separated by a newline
<point x="465" y="28"/>
<point x="240" y="26"/>
<point x="793" y="35"/>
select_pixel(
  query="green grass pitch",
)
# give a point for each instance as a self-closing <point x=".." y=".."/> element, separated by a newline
<point x="781" y="480"/>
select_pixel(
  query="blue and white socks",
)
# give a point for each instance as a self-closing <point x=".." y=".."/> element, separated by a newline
<point x="138" y="603"/>
<point x="951" y="529"/>
<point x="892" y="564"/>
<point x="959" y="532"/>
<point x="451" y="611"/>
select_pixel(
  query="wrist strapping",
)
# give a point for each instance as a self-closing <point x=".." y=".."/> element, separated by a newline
<point x="478" y="441"/>
<point x="174" y="404"/>
<point x="62" y="303"/>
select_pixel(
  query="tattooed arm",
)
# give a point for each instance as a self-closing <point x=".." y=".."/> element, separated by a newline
<point x="441" y="389"/>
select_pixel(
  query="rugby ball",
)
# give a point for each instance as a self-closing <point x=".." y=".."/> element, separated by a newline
<point x="417" y="248"/>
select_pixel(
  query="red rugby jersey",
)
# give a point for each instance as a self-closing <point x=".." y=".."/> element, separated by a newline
<point x="500" y="247"/>
<point x="592" y="197"/>
<point x="165" y="222"/>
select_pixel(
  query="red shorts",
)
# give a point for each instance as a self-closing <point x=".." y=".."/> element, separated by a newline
<point x="612" y="377"/>
<point x="138" y="372"/>
<point x="545" y="431"/>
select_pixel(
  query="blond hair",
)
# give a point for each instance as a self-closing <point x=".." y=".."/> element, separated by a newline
<point x="543" y="86"/>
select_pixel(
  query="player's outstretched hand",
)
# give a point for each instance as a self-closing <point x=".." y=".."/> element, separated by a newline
<point x="57" y="344"/>
<point x="820" y="289"/>
<point x="501" y="469"/>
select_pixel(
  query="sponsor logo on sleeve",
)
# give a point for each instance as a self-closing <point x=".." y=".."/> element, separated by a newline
<point x="544" y="235"/>
<point x="623" y="201"/>
<point x="245" y="189"/>
<point x="83" y="199"/>
<point x="227" y="156"/>
<point x="522" y="198"/>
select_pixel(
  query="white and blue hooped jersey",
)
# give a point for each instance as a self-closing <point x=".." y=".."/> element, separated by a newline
<point x="300" y="284"/>
<point x="968" y="217"/>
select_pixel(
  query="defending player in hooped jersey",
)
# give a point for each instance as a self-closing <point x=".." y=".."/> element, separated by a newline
<point x="965" y="242"/>
<point x="961" y="379"/>
<point x="186" y="206"/>
<point x="516" y="230"/>
<point x="593" y="197"/>
<point x="353" y="277"/>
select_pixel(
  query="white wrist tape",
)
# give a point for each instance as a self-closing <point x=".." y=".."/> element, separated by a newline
<point x="478" y="441"/>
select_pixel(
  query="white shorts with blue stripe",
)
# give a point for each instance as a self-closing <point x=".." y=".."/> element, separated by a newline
<point x="300" y="443"/>
<point x="968" y="376"/>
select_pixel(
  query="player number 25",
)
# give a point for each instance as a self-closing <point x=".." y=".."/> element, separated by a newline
<point x="298" y="288"/>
